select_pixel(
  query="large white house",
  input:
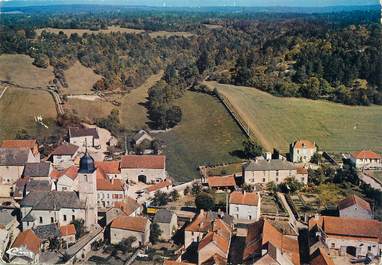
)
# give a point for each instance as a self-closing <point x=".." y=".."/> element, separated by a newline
<point x="244" y="206"/>
<point x="261" y="171"/>
<point x="353" y="236"/>
<point x="366" y="160"/>
<point x="43" y="208"/>
<point x="301" y="151"/>
<point x="82" y="137"/>
<point x="144" y="168"/>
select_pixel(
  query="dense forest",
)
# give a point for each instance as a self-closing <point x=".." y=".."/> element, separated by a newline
<point x="333" y="56"/>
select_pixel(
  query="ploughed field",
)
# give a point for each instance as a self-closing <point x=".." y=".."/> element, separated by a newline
<point x="278" y="121"/>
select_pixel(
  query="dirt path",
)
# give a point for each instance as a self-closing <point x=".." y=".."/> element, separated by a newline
<point x="2" y="93"/>
<point x="85" y="97"/>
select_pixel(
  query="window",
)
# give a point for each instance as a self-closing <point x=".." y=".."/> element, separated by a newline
<point x="27" y="223"/>
<point x="73" y="218"/>
<point x="249" y="217"/>
<point x="368" y="248"/>
<point x="51" y="220"/>
<point x="333" y="245"/>
<point x="263" y="179"/>
<point x="40" y="220"/>
<point x="64" y="217"/>
<point x="303" y="179"/>
<point x="237" y="209"/>
<point x="277" y="179"/>
<point x="277" y="172"/>
<point x="108" y="195"/>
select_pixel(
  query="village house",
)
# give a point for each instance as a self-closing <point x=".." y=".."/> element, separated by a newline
<point x="214" y="247"/>
<point x="265" y="239"/>
<point x="128" y="207"/>
<point x="244" y="206"/>
<point x="201" y="225"/>
<point x="26" y="185"/>
<point x="168" y="223"/>
<point x="321" y="257"/>
<point x="261" y="171"/>
<point x="109" y="192"/>
<point x="68" y="233"/>
<point x="23" y="144"/>
<point x="25" y="249"/>
<point x="66" y="180"/>
<point x="142" y="141"/>
<point x="124" y="227"/>
<point x="84" y="137"/>
<point x="301" y="151"/>
<point x="163" y="186"/>
<point x="141" y="136"/>
<point x="355" y="207"/>
<point x="222" y="182"/>
<point x="42" y="208"/>
<point x="366" y="160"/>
<point x="38" y="171"/>
<point x="12" y="163"/>
<point x="144" y="168"/>
<point x="8" y="228"/>
<point x="111" y="168"/>
<point x="46" y="233"/>
<point x="356" y="237"/>
<point x="64" y="155"/>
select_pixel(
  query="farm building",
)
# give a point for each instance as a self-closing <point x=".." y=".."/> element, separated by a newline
<point x="82" y="137"/>
<point x="244" y="206"/>
<point x="124" y="227"/>
<point x="355" y="207"/>
<point x="366" y="159"/>
<point x="144" y="168"/>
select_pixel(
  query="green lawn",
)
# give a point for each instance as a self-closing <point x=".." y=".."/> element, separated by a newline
<point x="206" y="135"/>
<point x="18" y="107"/>
<point x="278" y="121"/>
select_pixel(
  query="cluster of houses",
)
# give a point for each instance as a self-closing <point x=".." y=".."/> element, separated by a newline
<point x="56" y="197"/>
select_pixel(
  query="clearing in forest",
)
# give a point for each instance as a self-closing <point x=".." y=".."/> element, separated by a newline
<point x="278" y="121"/>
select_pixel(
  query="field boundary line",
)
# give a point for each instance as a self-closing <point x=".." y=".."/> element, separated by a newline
<point x="2" y="93"/>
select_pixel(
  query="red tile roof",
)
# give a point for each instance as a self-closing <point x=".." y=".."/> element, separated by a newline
<point x="159" y="185"/>
<point x="215" y="238"/>
<point x="109" y="167"/>
<point x="30" y="144"/>
<point x="202" y="223"/>
<point x="143" y="161"/>
<point x="113" y="185"/>
<point x="221" y="181"/>
<point x="302" y="170"/>
<point x="28" y="239"/>
<point x="354" y="200"/>
<point x="65" y="149"/>
<point x="304" y="144"/>
<point x="137" y="223"/>
<point x="349" y="227"/>
<point x="70" y="172"/>
<point x="246" y="198"/>
<point x="100" y="174"/>
<point x="265" y="231"/>
<point x="128" y="206"/>
<point x="365" y="154"/>
<point x="67" y="230"/>
<point x="322" y="258"/>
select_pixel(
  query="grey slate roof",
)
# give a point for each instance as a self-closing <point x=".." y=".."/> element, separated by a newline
<point x="80" y="132"/>
<point x="37" y="169"/>
<point x="6" y="217"/>
<point x="139" y="134"/>
<point x="28" y="218"/>
<point x="163" y="216"/>
<point x="266" y="165"/>
<point x="65" y="149"/>
<point x="52" y="200"/>
<point x="45" y="232"/>
<point x="27" y="185"/>
<point x="13" y="156"/>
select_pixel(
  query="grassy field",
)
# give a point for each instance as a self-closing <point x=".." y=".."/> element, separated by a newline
<point x="18" y="108"/>
<point x="80" y="79"/>
<point x="206" y="135"/>
<point x="18" y="69"/>
<point x="133" y="114"/>
<point x="111" y="29"/>
<point x="89" y="110"/>
<point x="278" y="121"/>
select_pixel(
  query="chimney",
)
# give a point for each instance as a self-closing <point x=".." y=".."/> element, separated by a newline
<point x="316" y="217"/>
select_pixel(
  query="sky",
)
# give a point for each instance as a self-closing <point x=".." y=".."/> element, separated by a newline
<point x="196" y="3"/>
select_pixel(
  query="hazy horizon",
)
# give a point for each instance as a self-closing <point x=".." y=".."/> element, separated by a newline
<point x="197" y="3"/>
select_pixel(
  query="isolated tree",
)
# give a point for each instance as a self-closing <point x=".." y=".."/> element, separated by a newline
<point x="204" y="201"/>
<point x="252" y="149"/>
<point x="155" y="233"/>
<point x="160" y="198"/>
